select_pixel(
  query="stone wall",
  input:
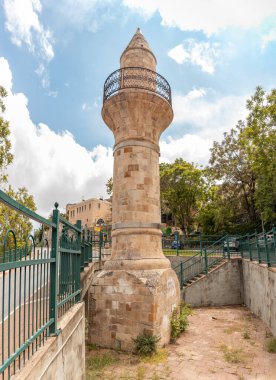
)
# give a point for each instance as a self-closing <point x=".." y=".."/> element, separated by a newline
<point x="222" y="286"/>
<point x="260" y="291"/>
<point x="62" y="357"/>
<point x="122" y="304"/>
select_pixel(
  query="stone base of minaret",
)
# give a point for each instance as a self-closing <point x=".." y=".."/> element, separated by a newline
<point x="124" y="303"/>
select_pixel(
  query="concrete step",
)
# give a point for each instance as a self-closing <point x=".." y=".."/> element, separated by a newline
<point x="201" y="276"/>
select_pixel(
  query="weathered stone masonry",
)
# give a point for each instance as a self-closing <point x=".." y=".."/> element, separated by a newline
<point x="137" y="289"/>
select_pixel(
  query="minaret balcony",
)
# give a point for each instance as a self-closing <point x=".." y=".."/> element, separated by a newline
<point x="136" y="78"/>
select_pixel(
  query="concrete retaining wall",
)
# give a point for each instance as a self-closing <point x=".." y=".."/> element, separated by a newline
<point x="62" y="357"/>
<point x="222" y="286"/>
<point x="260" y="291"/>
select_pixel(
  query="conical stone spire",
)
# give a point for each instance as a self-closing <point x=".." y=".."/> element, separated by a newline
<point x="138" y="53"/>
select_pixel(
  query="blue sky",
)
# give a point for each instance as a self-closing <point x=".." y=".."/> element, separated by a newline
<point x="56" y="55"/>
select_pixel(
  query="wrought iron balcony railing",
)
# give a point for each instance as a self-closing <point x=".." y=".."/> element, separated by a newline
<point x="136" y="77"/>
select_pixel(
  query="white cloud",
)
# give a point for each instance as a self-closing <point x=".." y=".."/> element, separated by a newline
<point x="209" y="16"/>
<point x="42" y="72"/>
<point x="268" y="38"/>
<point x="54" y="167"/>
<point x="202" y="54"/>
<point x="179" y="54"/>
<point x="83" y="14"/>
<point x="190" y="147"/>
<point x="208" y="118"/>
<point x="23" y="23"/>
<point x="5" y="74"/>
<point x="53" y="94"/>
<point x="199" y="110"/>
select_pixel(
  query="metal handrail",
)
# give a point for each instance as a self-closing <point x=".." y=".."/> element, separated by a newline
<point x="136" y="77"/>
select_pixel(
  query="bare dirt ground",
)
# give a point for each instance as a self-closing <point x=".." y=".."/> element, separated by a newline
<point x="225" y="343"/>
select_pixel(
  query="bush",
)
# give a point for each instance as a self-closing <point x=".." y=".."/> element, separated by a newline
<point x="145" y="344"/>
<point x="271" y="345"/>
<point x="179" y="320"/>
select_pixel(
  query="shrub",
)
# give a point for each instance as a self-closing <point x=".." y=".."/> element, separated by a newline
<point x="145" y="344"/>
<point x="179" y="320"/>
<point x="271" y="345"/>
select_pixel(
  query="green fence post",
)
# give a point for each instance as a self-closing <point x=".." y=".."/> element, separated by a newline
<point x="258" y="249"/>
<point x="181" y="275"/>
<point x="274" y="239"/>
<point x="228" y="250"/>
<point x="78" y="266"/>
<point x="54" y="272"/>
<point x="267" y="252"/>
<point x="249" y="247"/>
<point x="206" y="260"/>
<point x="200" y="242"/>
<point x="82" y="249"/>
<point x="100" y="245"/>
<point x="177" y="241"/>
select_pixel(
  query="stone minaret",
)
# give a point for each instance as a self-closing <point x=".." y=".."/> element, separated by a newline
<point x="137" y="289"/>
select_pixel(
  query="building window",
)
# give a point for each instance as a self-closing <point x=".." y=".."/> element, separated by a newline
<point x="89" y="206"/>
<point x="99" y="205"/>
<point x="82" y="208"/>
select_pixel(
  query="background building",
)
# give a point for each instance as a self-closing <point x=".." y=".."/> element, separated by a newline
<point x="89" y="211"/>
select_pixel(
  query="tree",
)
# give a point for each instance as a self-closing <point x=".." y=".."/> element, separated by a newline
<point x="10" y="219"/>
<point x="5" y="145"/>
<point x="243" y="166"/>
<point x="259" y="141"/>
<point x="182" y="189"/>
<point x="230" y="165"/>
<point x="109" y="186"/>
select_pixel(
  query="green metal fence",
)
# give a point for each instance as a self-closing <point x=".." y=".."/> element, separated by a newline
<point x="201" y="262"/>
<point x="260" y="247"/>
<point x="256" y="247"/>
<point x="187" y="246"/>
<point x="39" y="282"/>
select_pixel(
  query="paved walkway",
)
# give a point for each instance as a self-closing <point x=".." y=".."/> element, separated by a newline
<point x="221" y="344"/>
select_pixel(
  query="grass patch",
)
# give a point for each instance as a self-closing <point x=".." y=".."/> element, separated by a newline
<point x="173" y="252"/>
<point x="158" y="357"/>
<point x="271" y="345"/>
<point x="92" y="347"/>
<point x="141" y="373"/>
<point x="232" y="355"/>
<point x="246" y="334"/>
<point x="100" y="361"/>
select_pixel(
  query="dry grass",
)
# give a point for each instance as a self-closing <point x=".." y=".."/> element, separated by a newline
<point x="233" y="355"/>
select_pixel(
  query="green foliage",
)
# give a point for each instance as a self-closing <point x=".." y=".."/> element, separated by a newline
<point x="145" y="344"/>
<point x="10" y="219"/>
<point x="5" y="145"/>
<point x="271" y="345"/>
<point x="167" y="231"/>
<point x="243" y="167"/>
<point x="182" y="189"/>
<point x="109" y="186"/>
<point x="179" y="320"/>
